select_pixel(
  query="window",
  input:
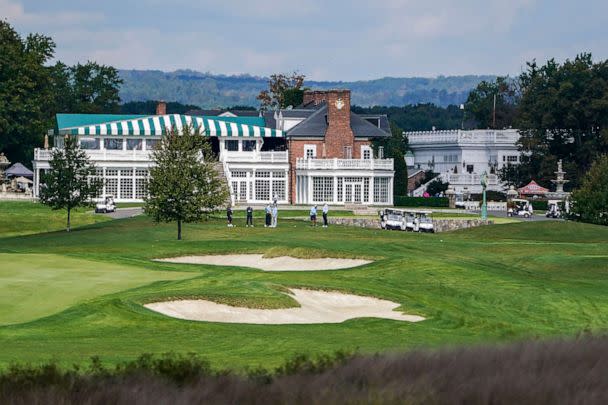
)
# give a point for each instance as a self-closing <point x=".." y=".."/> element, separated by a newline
<point x="134" y="144"/>
<point x="139" y="172"/>
<point x="310" y="151"/>
<point x="151" y="144"/>
<point x="262" y="190"/>
<point x="512" y="159"/>
<point x="366" y="152"/>
<point x="340" y="182"/>
<point x="89" y="143"/>
<point x="249" y="146"/>
<point x="470" y="168"/>
<point x="322" y="189"/>
<point x="126" y="172"/>
<point x="231" y="145"/>
<point x="278" y="189"/>
<point x="348" y="152"/>
<point x="112" y="144"/>
<point x="279" y="175"/>
<point x="238" y="173"/>
<point x="126" y="187"/>
<point x="111" y="172"/>
<point x="262" y="174"/>
<point x="366" y="189"/>
<point x="112" y="187"/>
<point x="381" y="189"/>
<point x="141" y="186"/>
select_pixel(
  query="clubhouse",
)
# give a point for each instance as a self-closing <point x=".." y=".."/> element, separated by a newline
<point x="317" y="152"/>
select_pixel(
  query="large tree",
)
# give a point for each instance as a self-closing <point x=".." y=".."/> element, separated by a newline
<point x="284" y="90"/>
<point x="395" y="147"/>
<point x="590" y="201"/>
<point x="563" y="114"/>
<point x="493" y="104"/>
<point x="25" y="91"/>
<point x="69" y="183"/>
<point x="184" y="184"/>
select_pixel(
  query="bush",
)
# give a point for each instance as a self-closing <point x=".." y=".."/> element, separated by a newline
<point x="406" y="201"/>
<point x="540" y="205"/>
<point x="590" y="201"/>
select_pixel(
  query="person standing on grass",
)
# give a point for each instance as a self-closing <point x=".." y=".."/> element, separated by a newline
<point x="229" y="215"/>
<point x="249" y="216"/>
<point x="268" y="215"/>
<point x="275" y="215"/>
<point x="325" y="211"/>
<point x="313" y="215"/>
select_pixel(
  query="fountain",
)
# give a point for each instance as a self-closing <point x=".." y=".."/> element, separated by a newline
<point x="559" y="193"/>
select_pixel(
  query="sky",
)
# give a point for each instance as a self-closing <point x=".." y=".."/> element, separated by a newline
<point x="323" y="39"/>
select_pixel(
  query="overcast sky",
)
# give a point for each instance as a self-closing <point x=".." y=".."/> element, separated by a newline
<point x="324" y="39"/>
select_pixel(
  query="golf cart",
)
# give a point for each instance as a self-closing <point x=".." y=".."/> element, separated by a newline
<point x="106" y="205"/>
<point x="554" y="209"/>
<point x="519" y="208"/>
<point x="405" y="220"/>
<point x="392" y="219"/>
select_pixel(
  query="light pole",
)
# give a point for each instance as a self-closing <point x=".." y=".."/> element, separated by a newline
<point x="484" y="204"/>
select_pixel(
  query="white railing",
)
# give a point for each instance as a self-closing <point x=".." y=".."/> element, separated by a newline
<point x="504" y="136"/>
<point x="266" y="156"/>
<point x="348" y="164"/>
<point x="100" y="155"/>
<point x="469" y="179"/>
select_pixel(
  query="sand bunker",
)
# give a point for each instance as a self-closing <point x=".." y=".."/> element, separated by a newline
<point x="258" y="261"/>
<point x="315" y="307"/>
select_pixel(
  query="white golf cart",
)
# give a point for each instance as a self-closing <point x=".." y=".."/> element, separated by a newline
<point x="554" y="209"/>
<point x="519" y="207"/>
<point x="106" y="205"/>
<point x="406" y="220"/>
<point x="391" y="218"/>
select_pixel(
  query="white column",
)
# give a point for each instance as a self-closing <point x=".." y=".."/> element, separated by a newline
<point x="371" y="190"/>
<point x="335" y="199"/>
<point x="309" y="200"/>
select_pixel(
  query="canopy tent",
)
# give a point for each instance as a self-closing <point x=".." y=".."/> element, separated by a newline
<point x="533" y="188"/>
<point x="157" y="125"/>
<point x="18" y="170"/>
<point x="23" y="180"/>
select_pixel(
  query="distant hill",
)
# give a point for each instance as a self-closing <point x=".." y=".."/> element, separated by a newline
<point x="208" y="90"/>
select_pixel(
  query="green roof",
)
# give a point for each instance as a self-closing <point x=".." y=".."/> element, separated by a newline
<point x="78" y="120"/>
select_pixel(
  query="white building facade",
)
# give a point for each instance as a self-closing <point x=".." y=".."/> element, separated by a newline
<point x="461" y="157"/>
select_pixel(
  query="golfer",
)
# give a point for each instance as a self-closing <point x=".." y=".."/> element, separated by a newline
<point x="249" y="216"/>
<point x="268" y="216"/>
<point x="313" y="215"/>
<point x="275" y="215"/>
<point x="325" y="211"/>
<point x="229" y="215"/>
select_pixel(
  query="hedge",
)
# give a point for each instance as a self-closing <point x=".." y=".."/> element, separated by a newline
<point x="540" y="205"/>
<point x="406" y="201"/>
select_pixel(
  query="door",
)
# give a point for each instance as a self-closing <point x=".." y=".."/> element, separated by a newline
<point x="348" y="192"/>
<point x="357" y="193"/>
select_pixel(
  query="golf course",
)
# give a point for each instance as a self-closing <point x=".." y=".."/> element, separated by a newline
<point x="66" y="297"/>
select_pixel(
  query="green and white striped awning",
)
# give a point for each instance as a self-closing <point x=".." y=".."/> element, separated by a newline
<point x="157" y="125"/>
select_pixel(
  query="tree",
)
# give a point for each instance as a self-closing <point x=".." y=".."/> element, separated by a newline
<point x="184" y="185"/>
<point x="69" y="183"/>
<point x="25" y="91"/>
<point x="493" y="104"/>
<point x="395" y="147"/>
<point x="563" y="114"/>
<point x="400" y="187"/>
<point x="283" y="90"/>
<point x="590" y="201"/>
<point x="436" y="187"/>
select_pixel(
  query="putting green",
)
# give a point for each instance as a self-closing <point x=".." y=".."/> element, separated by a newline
<point x="37" y="285"/>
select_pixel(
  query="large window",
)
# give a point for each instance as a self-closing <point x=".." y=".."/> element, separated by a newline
<point x="248" y="146"/>
<point x="134" y="144"/>
<point x="89" y="143"/>
<point x="231" y="145"/>
<point x="262" y="190"/>
<point x="151" y="144"/>
<point x="112" y="144"/>
<point x="381" y="189"/>
<point x="322" y="189"/>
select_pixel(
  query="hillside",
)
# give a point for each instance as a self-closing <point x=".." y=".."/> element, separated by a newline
<point x="208" y="90"/>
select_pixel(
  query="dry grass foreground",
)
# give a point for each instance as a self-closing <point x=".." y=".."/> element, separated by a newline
<point x="558" y="372"/>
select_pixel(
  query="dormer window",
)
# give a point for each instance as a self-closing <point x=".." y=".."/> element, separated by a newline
<point x="310" y="151"/>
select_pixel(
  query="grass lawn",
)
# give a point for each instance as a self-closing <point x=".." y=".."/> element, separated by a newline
<point x="69" y="296"/>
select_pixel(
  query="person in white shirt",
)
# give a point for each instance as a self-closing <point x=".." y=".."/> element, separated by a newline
<point x="313" y="215"/>
<point x="325" y="211"/>
<point x="275" y="214"/>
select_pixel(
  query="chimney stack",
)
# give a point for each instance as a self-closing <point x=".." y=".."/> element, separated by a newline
<point x="339" y="136"/>
<point x="161" y="108"/>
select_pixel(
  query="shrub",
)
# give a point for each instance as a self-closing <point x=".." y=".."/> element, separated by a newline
<point x="406" y="201"/>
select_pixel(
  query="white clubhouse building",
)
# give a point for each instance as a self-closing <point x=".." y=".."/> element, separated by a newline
<point x="461" y="157"/>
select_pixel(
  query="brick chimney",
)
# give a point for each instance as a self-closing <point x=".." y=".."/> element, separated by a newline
<point x="161" y="108"/>
<point x="339" y="135"/>
<point x="314" y="96"/>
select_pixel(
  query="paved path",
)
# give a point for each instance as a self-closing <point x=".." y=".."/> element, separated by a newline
<point x="125" y="213"/>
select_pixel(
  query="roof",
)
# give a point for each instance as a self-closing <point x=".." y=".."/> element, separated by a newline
<point x="18" y="170"/>
<point x="533" y="188"/>
<point x="160" y="124"/>
<point x="315" y="125"/>
<point x="218" y="112"/>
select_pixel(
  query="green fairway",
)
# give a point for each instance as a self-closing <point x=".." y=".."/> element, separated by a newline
<point x="69" y="296"/>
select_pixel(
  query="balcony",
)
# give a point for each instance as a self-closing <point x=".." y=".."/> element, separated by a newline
<point x="467" y="179"/>
<point x="254" y="156"/>
<point x="100" y="155"/>
<point x="505" y="136"/>
<point x="344" y="164"/>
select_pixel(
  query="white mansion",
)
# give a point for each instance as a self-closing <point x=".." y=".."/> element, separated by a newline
<point x="318" y="152"/>
<point x="460" y="157"/>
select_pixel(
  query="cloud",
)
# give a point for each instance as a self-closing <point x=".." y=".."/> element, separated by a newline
<point x="16" y="14"/>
